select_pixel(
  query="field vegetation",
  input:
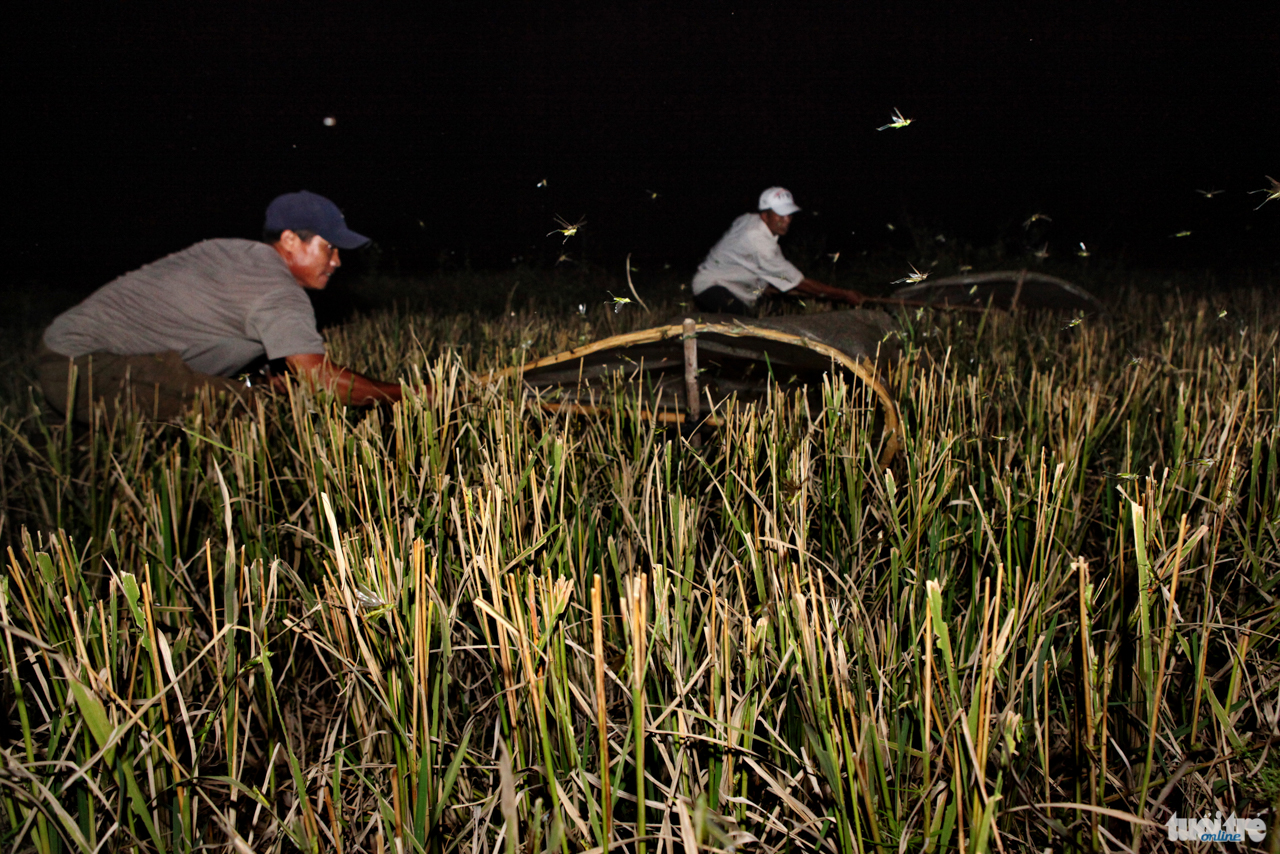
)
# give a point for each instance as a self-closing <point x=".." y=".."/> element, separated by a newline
<point x="466" y="624"/>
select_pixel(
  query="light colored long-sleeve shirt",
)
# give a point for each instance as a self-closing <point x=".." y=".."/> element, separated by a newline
<point x="745" y="261"/>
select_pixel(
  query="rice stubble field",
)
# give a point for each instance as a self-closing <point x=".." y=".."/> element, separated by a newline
<point x="466" y="624"/>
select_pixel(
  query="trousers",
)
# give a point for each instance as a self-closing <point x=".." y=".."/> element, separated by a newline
<point x="159" y="385"/>
<point x="721" y="300"/>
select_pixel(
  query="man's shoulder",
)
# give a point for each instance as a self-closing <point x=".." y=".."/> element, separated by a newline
<point x="225" y="259"/>
<point x="749" y="229"/>
<point x="232" y="249"/>
<point x="748" y="223"/>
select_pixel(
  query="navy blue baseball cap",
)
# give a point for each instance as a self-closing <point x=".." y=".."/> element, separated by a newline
<point x="304" y="211"/>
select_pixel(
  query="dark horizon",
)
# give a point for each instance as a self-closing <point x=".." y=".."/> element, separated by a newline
<point x="140" y="132"/>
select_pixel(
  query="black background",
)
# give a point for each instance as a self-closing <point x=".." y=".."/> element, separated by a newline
<point x="140" y="129"/>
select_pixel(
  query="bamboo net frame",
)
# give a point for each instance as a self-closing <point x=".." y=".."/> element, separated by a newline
<point x="935" y="293"/>
<point x="860" y="368"/>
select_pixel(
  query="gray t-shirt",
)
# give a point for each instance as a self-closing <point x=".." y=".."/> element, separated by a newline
<point x="220" y="304"/>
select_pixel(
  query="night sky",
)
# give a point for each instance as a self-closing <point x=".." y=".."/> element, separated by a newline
<point x="141" y="129"/>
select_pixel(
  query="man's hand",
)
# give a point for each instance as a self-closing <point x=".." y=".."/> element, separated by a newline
<point x="814" y="288"/>
<point x="351" y="388"/>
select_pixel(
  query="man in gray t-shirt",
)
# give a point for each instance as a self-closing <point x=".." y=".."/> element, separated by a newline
<point x="196" y="317"/>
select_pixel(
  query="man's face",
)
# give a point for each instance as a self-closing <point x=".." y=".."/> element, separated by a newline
<point x="312" y="262"/>
<point x="777" y="223"/>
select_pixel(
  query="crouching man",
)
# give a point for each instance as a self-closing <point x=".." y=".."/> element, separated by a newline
<point x="158" y="335"/>
<point x="748" y="264"/>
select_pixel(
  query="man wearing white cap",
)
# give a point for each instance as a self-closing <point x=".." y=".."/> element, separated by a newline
<point x="747" y="263"/>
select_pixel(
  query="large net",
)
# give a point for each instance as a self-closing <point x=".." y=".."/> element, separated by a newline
<point x="1004" y="289"/>
<point x="743" y="359"/>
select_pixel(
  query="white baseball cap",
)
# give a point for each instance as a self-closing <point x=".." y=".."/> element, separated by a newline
<point x="778" y="200"/>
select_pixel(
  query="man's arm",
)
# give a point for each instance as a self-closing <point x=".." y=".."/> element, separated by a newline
<point x="815" y="288"/>
<point x="351" y="388"/>
<point x="818" y="289"/>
